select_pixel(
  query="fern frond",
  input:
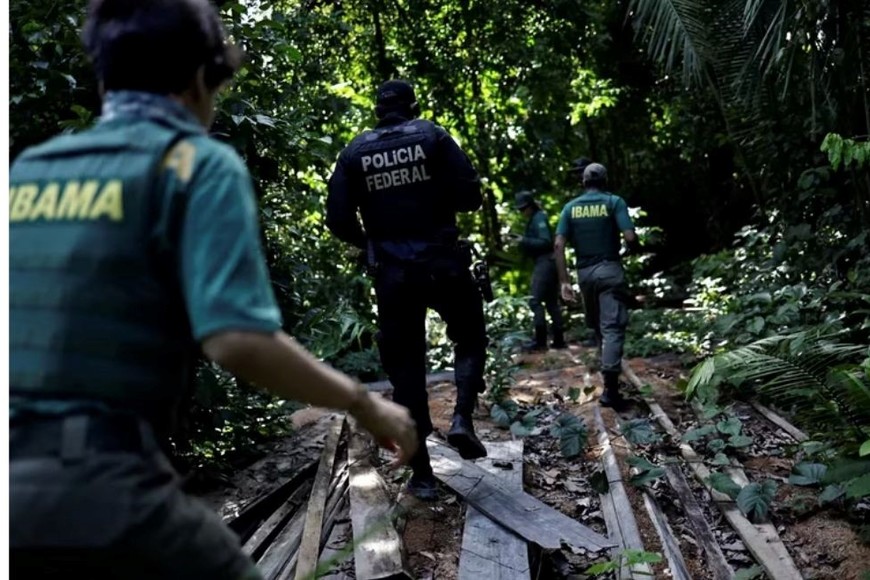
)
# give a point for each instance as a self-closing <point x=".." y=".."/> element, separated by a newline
<point x="804" y="371"/>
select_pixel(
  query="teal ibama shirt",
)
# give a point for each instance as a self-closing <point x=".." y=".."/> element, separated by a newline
<point x="221" y="271"/>
<point x="592" y="223"/>
<point x="537" y="240"/>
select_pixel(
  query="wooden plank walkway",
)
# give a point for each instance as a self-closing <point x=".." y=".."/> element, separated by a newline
<point x="517" y="511"/>
<point x="378" y="551"/>
<point x="618" y="515"/>
<point x="489" y="551"/>
<point x="762" y="540"/>
<point x="309" y="549"/>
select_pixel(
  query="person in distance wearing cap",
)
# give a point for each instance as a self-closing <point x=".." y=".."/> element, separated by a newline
<point x="592" y="224"/>
<point x="537" y="243"/>
<point x="408" y="178"/>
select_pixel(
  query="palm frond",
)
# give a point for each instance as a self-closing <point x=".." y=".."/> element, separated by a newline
<point x="674" y="32"/>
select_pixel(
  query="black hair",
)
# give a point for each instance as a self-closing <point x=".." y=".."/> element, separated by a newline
<point x="597" y="182"/>
<point x="157" y="45"/>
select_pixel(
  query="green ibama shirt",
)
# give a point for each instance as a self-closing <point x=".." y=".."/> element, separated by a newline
<point x="592" y="223"/>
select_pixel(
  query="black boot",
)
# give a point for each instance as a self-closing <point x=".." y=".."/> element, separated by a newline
<point x="540" y="342"/>
<point x="558" y="340"/>
<point x="462" y="438"/>
<point x="611" y="397"/>
<point x="422" y="484"/>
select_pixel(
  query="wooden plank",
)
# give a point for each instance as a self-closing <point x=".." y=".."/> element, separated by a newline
<point x="670" y="545"/>
<point x="309" y="548"/>
<point x="780" y="422"/>
<point x="762" y="540"/>
<point x="266" y="533"/>
<point x="489" y="550"/>
<point x="716" y="562"/>
<point x="337" y="492"/>
<point x="515" y="510"/>
<point x="378" y="551"/>
<point x="336" y="550"/>
<point x="431" y="379"/>
<point x="618" y="515"/>
<point x="279" y="553"/>
<point x="255" y="515"/>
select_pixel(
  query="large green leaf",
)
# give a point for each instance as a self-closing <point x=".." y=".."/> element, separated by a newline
<point x="808" y="474"/>
<point x="754" y="500"/>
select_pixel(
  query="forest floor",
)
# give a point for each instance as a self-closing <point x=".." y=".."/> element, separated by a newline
<point x="821" y="541"/>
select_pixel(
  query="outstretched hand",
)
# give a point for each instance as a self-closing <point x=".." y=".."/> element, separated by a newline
<point x="390" y="425"/>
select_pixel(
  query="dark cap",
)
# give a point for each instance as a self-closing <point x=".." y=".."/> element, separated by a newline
<point x="579" y="165"/>
<point x="395" y="93"/>
<point x="594" y="172"/>
<point x="524" y="199"/>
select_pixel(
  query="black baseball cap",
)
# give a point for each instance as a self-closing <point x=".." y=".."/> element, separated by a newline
<point x="579" y="165"/>
<point x="395" y="93"/>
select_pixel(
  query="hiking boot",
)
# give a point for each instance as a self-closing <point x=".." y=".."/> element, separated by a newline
<point x="534" y="346"/>
<point x="613" y="400"/>
<point x="423" y="487"/>
<point x="462" y="438"/>
<point x="611" y="396"/>
<point x="558" y="343"/>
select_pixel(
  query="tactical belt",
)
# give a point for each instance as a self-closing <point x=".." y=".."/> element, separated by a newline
<point x="75" y="436"/>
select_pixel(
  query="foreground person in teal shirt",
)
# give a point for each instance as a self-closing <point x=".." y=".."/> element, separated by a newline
<point x="133" y="245"/>
<point x="591" y="224"/>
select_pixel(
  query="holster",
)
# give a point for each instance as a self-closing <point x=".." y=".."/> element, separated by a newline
<point x="479" y="269"/>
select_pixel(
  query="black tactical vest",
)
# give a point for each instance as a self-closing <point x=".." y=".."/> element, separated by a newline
<point x="398" y="172"/>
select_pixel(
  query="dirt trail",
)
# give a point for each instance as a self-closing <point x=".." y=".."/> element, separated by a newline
<point x="821" y="543"/>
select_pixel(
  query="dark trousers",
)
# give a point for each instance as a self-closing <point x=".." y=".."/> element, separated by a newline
<point x="98" y="504"/>
<point x="404" y="292"/>
<point x="545" y="295"/>
<point x="604" y="299"/>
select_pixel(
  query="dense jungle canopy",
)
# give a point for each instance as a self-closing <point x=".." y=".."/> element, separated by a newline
<point x="737" y="130"/>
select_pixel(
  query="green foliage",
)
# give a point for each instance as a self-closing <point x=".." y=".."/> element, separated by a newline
<point x="226" y="421"/>
<point x="750" y="573"/>
<point x="807" y="474"/>
<point x="825" y="382"/>
<point x="846" y="152"/>
<point x="639" y="432"/>
<point x="627" y="558"/>
<point x="647" y="471"/>
<point x="754" y="500"/>
<point x="572" y="434"/>
<point x="724" y="484"/>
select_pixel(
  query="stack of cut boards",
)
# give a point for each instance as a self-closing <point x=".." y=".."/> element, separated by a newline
<point x="292" y="543"/>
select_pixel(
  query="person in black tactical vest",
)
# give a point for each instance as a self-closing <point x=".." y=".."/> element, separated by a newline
<point x="537" y="243"/>
<point x="408" y="178"/>
<point x="591" y="224"/>
<point x="132" y="245"/>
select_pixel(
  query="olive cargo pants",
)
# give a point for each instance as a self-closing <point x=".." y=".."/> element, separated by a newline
<point x="545" y="295"/>
<point x="604" y="299"/>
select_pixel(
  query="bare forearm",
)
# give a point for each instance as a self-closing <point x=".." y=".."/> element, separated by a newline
<point x="279" y="364"/>
<point x="561" y="264"/>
